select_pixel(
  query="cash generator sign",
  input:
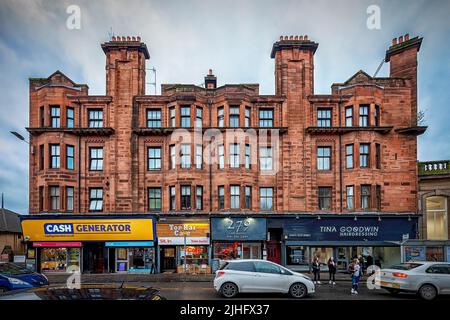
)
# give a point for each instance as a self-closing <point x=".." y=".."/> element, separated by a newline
<point x="88" y="230"/>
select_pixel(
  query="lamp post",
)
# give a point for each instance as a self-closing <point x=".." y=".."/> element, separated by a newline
<point x="19" y="136"/>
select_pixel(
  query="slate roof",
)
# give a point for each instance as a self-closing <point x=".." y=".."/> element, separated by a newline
<point x="9" y="221"/>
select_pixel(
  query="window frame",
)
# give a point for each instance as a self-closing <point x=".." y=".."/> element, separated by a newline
<point x="198" y="119"/>
<point x="172" y="198"/>
<point x="153" y="158"/>
<point x="172" y="117"/>
<point x="349" y="156"/>
<point x="185" y="119"/>
<point x="263" y="198"/>
<point x="364" y="195"/>
<point x="185" y="157"/>
<point x="377" y="156"/>
<point x="235" y="197"/>
<point x="364" y="117"/>
<point x="234" y="155"/>
<point x="95" y="118"/>
<point x="152" y="198"/>
<point x="350" y="196"/>
<point x="323" y="159"/>
<point x="199" y="198"/>
<point x="70" y="119"/>
<point x="247" y="117"/>
<point x="233" y="116"/>
<point x="151" y="120"/>
<point x="221" y="156"/>
<point x="55" y="196"/>
<point x="70" y="158"/>
<point x="324" y="121"/>
<point x="220" y="117"/>
<point x="55" y="120"/>
<point x="363" y="155"/>
<point x="199" y="156"/>
<point x="265" y="158"/>
<point x="185" y="203"/>
<point x="322" y="198"/>
<point x="248" y="197"/>
<point x="221" y="197"/>
<point x="97" y="200"/>
<point x="264" y="119"/>
<point x="97" y="160"/>
<point x="72" y="197"/>
<point x="349" y="118"/>
<point x="248" y="156"/>
<point x="56" y="157"/>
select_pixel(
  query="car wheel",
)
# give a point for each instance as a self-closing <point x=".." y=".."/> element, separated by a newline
<point x="229" y="290"/>
<point x="427" y="292"/>
<point x="298" y="290"/>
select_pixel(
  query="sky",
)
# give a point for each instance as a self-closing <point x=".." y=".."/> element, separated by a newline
<point x="187" y="37"/>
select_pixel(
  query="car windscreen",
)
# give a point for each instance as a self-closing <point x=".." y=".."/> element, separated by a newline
<point x="241" y="266"/>
<point x="12" y="269"/>
<point x="405" y="266"/>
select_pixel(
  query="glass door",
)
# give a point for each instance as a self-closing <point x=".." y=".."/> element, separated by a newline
<point x="342" y="257"/>
<point x="122" y="260"/>
<point x="251" y="250"/>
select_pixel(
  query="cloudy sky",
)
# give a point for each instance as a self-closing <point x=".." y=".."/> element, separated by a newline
<point x="233" y="37"/>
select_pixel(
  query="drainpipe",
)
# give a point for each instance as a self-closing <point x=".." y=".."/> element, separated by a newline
<point x="340" y="153"/>
<point x="79" y="156"/>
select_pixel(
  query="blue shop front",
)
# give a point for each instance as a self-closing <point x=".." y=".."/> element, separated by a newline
<point x="377" y="239"/>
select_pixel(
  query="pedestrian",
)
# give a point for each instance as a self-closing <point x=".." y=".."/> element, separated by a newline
<point x="361" y="264"/>
<point x="332" y="270"/>
<point x="316" y="269"/>
<point x="356" y="276"/>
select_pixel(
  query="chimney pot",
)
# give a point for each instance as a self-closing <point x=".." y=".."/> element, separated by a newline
<point x="306" y="37"/>
<point x="295" y="37"/>
<point x="286" y="37"/>
<point x="210" y="72"/>
<point x="291" y="38"/>
<point x="394" y="41"/>
<point x="113" y="38"/>
<point x="133" y="38"/>
<point x="407" y="37"/>
<point x="301" y="37"/>
<point x="128" y="38"/>
<point x="281" y="37"/>
<point x="124" y="38"/>
<point x="138" y="38"/>
<point x="400" y="39"/>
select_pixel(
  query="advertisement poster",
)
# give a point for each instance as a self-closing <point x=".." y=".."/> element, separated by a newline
<point x="415" y="253"/>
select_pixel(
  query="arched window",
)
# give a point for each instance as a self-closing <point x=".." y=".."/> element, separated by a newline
<point x="436" y="215"/>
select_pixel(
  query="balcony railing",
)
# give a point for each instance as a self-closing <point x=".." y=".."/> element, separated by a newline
<point x="429" y="168"/>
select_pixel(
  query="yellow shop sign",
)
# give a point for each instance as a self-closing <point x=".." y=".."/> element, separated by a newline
<point x="88" y="230"/>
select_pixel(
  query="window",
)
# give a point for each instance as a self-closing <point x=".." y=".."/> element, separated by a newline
<point x="234" y="197"/>
<point x="350" y="191"/>
<point x="185" y="116"/>
<point x="41" y="198"/>
<point x="349" y="156"/>
<point x="95" y="199"/>
<point x="220" y="117"/>
<point x="172" y="194"/>
<point x="95" y="118"/>
<point x="198" y="117"/>
<point x="349" y="116"/>
<point x="377" y="155"/>
<point x="55" y="116"/>
<point x="266" y="198"/>
<point x="378" y="196"/>
<point x="96" y="159"/>
<point x="221" y="155"/>
<point x="54" y="156"/>
<point x="377" y="115"/>
<point x="439" y="269"/>
<point x="185" y="197"/>
<point x="70" y="117"/>
<point x="41" y="157"/>
<point x="363" y="115"/>
<point x="248" y="197"/>
<point x="437" y="218"/>
<point x="198" y="156"/>
<point x="324" y="117"/>
<point x="240" y="266"/>
<point x="247" y="156"/>
<point x="69" y="198"/>
<point x="266" y="267"/>
<point x="185" y="156"/>
<point x="324" y="198"/>
<point x="154" y="199"/>
<point x="54" y="198"/>
<point x="199" y="198"/>
<point x="324" y="158"/>
<point x="365" y="196"/>
<point x="172" y="157"/>
<point x="221" y="193"/>
<point x="266" y="118"/>
<point x="265" y="159"/>
<point x="42" y="116"/>
<point x="154" y="118"/>
<point x="154" y="158"/>
<point x="364" y="155"/>
<point x="247" y="117"/>
<point x="70" y="154"/>
<point x="172" y="117"/>
<point x="234" y="155"/>
<point x="234" y="116"/>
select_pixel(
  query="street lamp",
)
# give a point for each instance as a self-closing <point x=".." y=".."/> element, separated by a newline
<point x="19" y="136"/>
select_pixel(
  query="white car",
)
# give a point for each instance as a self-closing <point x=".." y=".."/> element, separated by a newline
<point x="238" y="276"/>
<point x="427" y="279"/>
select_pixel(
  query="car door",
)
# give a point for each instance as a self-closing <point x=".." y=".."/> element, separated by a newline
<point x="440" y="273"/>
<point x="244" y="275"/>
<point x="269" y="277"/>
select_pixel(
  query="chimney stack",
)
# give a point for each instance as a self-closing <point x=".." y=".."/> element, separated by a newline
<point x="210" y="80"/>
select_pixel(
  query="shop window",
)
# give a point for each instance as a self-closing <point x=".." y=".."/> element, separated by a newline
<point x="434" y="253"/>
<point x="248" y="197"/>
<point x="185" y="197"/>
<point x="154" y="118"/>
<point x="186" y="116"/>
<point x="221" y="197"/>
<point x="247" y="117"/>
<point x="95" y="118"/>
<point x="234" y="197"/>
<point x="220" y="117"/>
<point x="70" y="156"/>
<point x="324" y="117"/>
<point x="234" y="155"/>
<point x="297" y="255"/>
<point x="437" y="218"/>
<point x="198" y="156"/>
<point x="221" y="156"/>
<point x="365" y="196"/>
<point x="185" y="153"/>
<point x="234" y="116"/>
<point x="172" y="117"/>
<point x="69" y="198"/>
<point x="266" y="198"/>
<point x="154" y="199"/>
<point x="364" y="155"/>
<point x="172" y="157"/>
<point x="95" y="199"/>
<point x="70" y="117"/>
<point x="172" y="197"/>
<point x="349" y="116"/>
<point x="265" y="158"/>
<point x="324" y="198"/>
<point x="96" y="159"/>
<point x="55" y="116"/>
<point x="349" y="156"/>
<point x="323" y="158"/>
<point x="196" y="258"/>
<point x="363" y="115"/>
<point x="266" y="118"/>
<point x="141" y="259"/>
<point x="54" y="156"/>
<point x="198" y="117"/>
<point x="55" y="198"/>
<point x="59" y="259"/>
<point x="154" y="158"/>
<point x="247" y="156"/>
<point x="199" y="198"/>
<point x="350" y="192"/>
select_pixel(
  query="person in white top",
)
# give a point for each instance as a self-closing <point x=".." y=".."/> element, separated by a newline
<point x="355" y="276"/>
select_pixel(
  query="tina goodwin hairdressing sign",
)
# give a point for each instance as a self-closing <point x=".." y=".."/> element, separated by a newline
<point x="349" y="229"/>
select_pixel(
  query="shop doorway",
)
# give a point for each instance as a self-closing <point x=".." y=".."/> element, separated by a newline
<point x="94" y="257"/>
<point x="342" y="258"/>
<point x="168" y="259"/>
<point x="274" y="251"/>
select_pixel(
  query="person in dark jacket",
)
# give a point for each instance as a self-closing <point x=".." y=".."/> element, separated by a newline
<point x="316" y="269"/>
<point x="332" y="270"/>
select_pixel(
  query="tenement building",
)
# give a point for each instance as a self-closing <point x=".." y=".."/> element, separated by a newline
<point x="177" y="182"/>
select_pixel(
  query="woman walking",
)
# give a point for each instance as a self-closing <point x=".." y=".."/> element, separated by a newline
<point x="332" y="270"/>
<point x="316" y="269"/>
<point x="355" y="276"/>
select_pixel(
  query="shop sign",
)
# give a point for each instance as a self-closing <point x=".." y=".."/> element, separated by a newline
<point x="134" y="244"/>
<point x="238" y="229"/>
<point x="113" y="229"/>
<point x="191" y="233"/>
<point x="57" y="244"/>
<point x="349" y="229"/>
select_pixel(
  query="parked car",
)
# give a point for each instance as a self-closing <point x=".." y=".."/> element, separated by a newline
<point x="239" y="276"/>
<point x="13" y="277"/>
<point x="427" y="279"/>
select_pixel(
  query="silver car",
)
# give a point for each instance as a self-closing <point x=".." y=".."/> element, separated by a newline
<point x="427" y="279"/>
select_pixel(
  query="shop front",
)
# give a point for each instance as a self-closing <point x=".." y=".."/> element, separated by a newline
<point x="426" y="250"/>
<point x="238" y="238"/>
<point x="376" y="239"/>
<point x="95" y="245"/>
<point x="184" y="245"/>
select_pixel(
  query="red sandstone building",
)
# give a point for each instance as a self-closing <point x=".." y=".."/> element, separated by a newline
<point x="284" y="177"/>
